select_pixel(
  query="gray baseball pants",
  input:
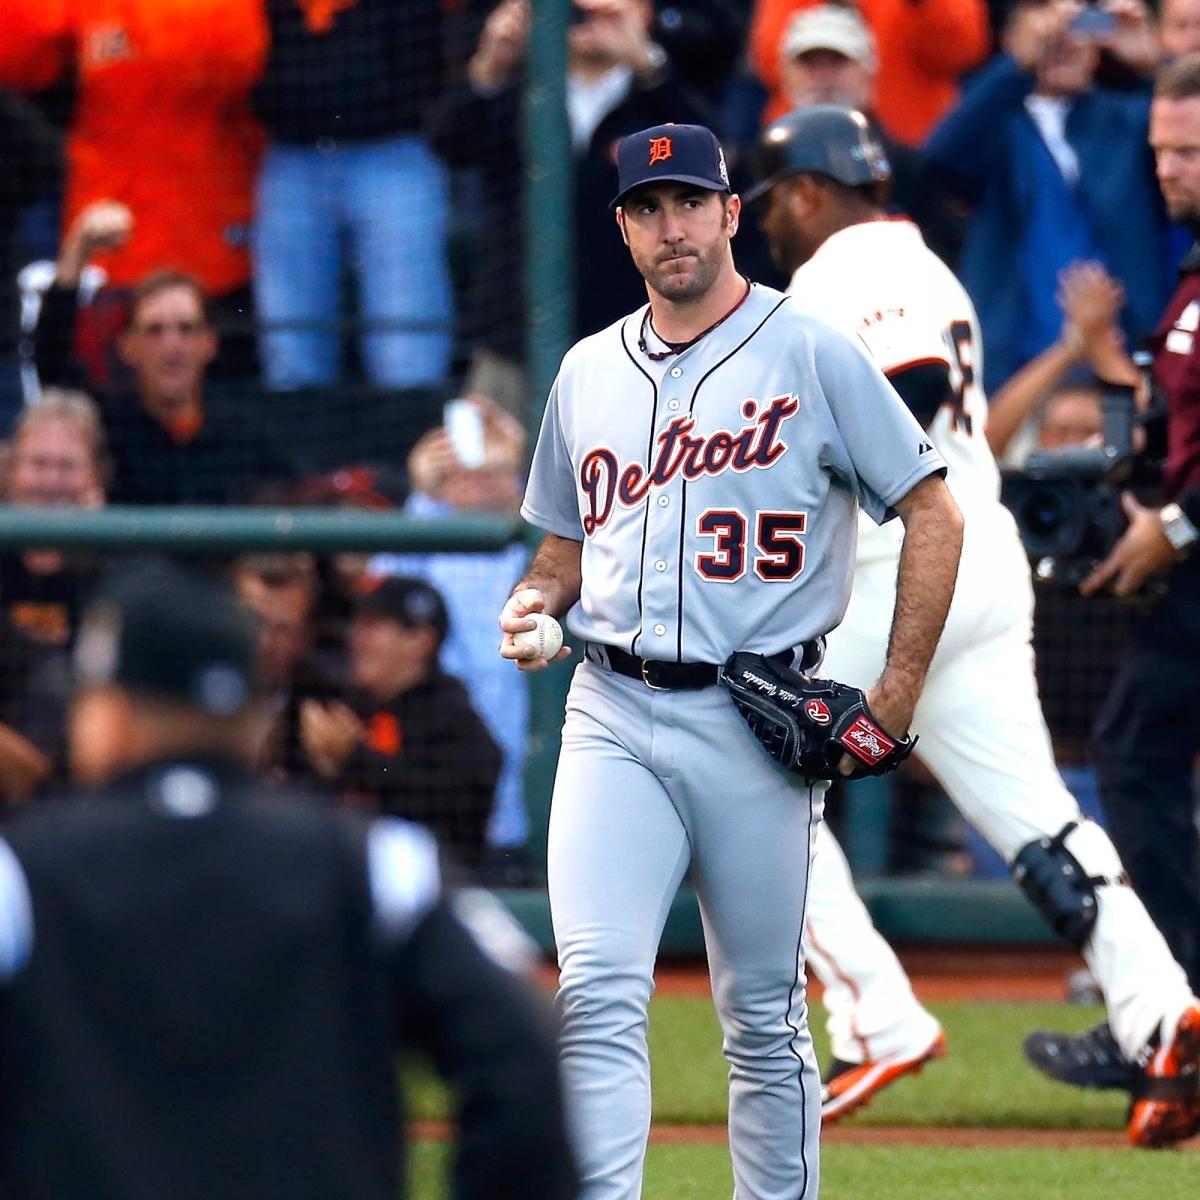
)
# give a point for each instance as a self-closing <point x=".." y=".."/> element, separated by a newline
<point x="650" y="783"/>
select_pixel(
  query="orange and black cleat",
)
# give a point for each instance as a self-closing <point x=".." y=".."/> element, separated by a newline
<point x="849" y="1086"/>
<point x="1166" y="1101"/>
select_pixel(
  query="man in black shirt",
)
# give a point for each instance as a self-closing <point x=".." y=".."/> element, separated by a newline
<point x="202" y="981"/>
<point x="408" y="741"/>
<point x="282" y="591"/>
<point x="170" y="443"/>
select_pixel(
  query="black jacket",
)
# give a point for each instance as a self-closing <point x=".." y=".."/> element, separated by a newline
<point x="30" y="166"/>
<point x="368" y="75"/>
<point x="39" y="618"/>
<point x="227" y="460"/>
<point x="428" y="757"/>
<point x="206" y="995"/>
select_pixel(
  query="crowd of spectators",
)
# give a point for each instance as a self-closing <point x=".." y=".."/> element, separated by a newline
<point x="356" y="654"/>
<point x="343" y="179"/>
<point x="284" y="199"/>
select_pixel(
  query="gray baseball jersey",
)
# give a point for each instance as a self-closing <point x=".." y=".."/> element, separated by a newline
<point x="715" y="492"/>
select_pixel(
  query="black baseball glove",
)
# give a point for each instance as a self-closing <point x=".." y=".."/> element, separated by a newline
<point x="808" y="724"/>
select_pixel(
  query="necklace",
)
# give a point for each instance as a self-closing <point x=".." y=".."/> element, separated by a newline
<point x="679" y="347"/>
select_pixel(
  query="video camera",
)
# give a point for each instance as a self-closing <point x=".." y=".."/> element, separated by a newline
<point x="1067" y="503"/>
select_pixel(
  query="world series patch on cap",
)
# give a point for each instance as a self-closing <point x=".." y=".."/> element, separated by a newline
<point x="670" y="154"/>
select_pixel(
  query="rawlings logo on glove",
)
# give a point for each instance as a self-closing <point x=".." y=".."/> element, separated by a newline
<point x="867" y="741"/>
<point x="808" y="724"/>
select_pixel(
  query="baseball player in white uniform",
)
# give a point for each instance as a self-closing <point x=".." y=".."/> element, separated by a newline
<point x="979" y="719"/>
<point x="698" y="474"/>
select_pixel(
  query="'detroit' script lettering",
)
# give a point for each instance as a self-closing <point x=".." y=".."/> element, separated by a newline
<point x="681" y="452"/>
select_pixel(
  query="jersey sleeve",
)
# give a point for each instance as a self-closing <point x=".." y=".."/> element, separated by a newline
<point x="551" y="500"/>
<point x="887" y="453"/>
<point x="912" y="352"/>
<point x="899" y="340"/>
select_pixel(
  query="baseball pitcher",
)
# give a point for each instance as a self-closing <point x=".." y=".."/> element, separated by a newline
<point x="698" y="477"/>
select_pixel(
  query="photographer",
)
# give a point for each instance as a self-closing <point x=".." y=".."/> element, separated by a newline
<point x="1148" y="732"/>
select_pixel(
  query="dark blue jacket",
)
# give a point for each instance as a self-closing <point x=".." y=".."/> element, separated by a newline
<point x="982" y="149"/>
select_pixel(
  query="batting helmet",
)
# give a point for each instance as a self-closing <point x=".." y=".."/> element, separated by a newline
<point x="825" y="139"/>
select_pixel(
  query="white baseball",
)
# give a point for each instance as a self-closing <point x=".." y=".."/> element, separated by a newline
<point x="546" y="637"/>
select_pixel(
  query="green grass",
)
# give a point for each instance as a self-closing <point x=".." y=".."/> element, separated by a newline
<point x="983" y="1080"/>
<point x="908" y="1173"/>
<point x="939" y="1173"/>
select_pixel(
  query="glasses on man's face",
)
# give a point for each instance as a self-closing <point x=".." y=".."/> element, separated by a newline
<point x="157" y="329"/>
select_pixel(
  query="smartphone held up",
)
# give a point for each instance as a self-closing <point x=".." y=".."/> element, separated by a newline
<point x="464" y="425"/>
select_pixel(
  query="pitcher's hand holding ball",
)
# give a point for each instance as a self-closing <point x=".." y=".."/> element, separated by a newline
<point x="532" y="638"/>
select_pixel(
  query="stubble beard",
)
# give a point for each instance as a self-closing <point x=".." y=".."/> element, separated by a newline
<point x="1185" y="212"/>
<point x="705" y="270"/>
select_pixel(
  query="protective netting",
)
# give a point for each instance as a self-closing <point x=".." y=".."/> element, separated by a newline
<point x="250" y="248"/>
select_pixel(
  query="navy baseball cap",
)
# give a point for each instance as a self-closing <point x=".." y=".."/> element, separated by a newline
<point x="670" y="154"/>
<point x="408" y="602"/>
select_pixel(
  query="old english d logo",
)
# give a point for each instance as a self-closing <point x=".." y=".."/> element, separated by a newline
<point x="660" y="149"/>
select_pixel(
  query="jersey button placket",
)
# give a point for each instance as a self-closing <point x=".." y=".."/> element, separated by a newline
<point x="660" y="596"/>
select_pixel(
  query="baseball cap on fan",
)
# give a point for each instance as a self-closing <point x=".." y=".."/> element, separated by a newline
<point x="670" y="154"/>
<point x="408" y="602"/>
<point x="830" y="27"/>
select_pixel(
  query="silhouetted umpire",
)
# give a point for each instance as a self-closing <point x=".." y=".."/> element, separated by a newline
<point x="203" y="980"/>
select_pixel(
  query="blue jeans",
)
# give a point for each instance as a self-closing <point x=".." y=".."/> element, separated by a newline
<point x="383" y="205"/>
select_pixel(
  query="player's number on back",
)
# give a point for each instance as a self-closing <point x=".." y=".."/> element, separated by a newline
<point x="779" y="552"/>
<point x="962" y="342"/>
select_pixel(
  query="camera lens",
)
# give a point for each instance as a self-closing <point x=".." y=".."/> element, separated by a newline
<point x="1042" y="512"/>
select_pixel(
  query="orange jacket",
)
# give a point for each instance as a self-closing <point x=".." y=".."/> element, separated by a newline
<point x="162" y="121"/>
<point x="924" y="46"/>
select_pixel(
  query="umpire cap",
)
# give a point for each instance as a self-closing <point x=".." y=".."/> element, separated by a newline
<point x="165" y="631"/>
<point x="824" y="139"/>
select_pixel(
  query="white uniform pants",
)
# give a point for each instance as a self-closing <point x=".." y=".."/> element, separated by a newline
<point x="984" y="737"/>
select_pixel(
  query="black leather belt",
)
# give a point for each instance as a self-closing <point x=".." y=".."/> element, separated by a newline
<point x="657" y="674"/>
<point x="667" y="676"/>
